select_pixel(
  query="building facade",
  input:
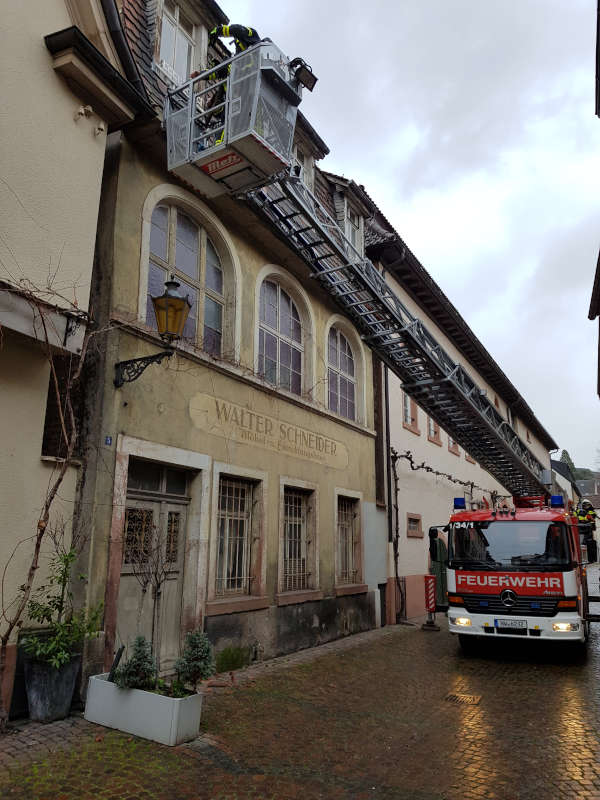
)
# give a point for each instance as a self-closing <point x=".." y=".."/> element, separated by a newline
<point x="248" y="456"/>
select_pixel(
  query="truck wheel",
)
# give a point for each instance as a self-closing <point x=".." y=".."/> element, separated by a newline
<point x="468" y="644"/>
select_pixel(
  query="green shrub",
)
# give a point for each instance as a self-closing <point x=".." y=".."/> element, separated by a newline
<point x="52" y="606"/>
<point x="231" y="658"/>
<point x="197" y="662"/>
<point x="139" y="671"/>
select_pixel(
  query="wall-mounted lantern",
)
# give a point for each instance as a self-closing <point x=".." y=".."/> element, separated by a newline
<point x="171" y="311"/>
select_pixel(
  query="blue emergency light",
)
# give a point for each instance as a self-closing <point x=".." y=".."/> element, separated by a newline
<point x="557" y="501"/>
<point x="460" y="502"/>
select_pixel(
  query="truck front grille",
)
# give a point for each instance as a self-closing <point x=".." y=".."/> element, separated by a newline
<point x="525" y="606"/>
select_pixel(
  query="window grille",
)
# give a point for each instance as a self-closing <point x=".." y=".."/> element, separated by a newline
<point x="347" y="525"/>
<point x="172" y="549"/>
<point x="139" y="524"/>
<point x="234" y="531"/>
<point x="295" y="541"/>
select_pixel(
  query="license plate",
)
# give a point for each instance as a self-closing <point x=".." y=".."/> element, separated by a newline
<point x="510" y="623"/>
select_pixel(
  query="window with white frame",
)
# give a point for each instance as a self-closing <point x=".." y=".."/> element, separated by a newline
<point x="176" y="51"/>
<point x="298" y="546"/>
<point x="348" y="540"/>
<point x="341" y="378"/>
<point x="406" y="409"/>
<point x="353" y="228"/>
<point x="234" y="532"/>
<point x="280" y="346"/>
<point x="181" y="247"/>
<point x="432" y="429"/>
<point x="414" y="527"/>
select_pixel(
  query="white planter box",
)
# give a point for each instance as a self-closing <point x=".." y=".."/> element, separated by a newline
<point x="167" y="720"/>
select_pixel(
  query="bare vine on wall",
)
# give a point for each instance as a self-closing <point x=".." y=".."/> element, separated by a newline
<point x="495" y="496"/>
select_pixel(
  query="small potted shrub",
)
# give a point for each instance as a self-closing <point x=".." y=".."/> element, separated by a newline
<point x="53" y="653"/>
<point x="140" y="702"/>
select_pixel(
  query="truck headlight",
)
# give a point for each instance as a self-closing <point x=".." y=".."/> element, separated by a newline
<point x="465" y="621"/>
<point x="565" y="627"/>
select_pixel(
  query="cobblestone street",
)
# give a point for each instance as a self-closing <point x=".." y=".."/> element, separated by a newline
<point x="366" y="717"/>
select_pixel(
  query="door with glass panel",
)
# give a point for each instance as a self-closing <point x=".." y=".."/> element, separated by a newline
<point x="150" y="590"/>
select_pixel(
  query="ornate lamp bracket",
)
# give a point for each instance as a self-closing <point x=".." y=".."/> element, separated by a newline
<point x="128" y="371"/>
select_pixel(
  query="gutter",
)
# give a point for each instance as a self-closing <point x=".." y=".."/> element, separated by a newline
<point x="118" y="36"/>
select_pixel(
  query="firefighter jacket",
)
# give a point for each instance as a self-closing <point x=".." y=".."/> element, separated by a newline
<point x="243" y="36"/>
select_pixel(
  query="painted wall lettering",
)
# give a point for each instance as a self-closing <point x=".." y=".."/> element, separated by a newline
<point x="233" y="421"/>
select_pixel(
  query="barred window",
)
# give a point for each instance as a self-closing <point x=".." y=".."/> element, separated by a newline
<point x="348" y="535"/>
<point x="280" y="345"/>
<point x="341" y="375"/>
<point x="234" y="525"/>
<point x="296" y="542"/>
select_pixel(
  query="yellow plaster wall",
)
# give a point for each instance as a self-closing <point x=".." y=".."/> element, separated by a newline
<point x="156" y="407"/>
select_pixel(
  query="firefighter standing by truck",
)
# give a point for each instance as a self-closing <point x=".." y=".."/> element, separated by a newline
<point x="586" y="518"/>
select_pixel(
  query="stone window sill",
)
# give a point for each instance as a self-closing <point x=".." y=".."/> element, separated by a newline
<point x="350" y="588"/>
<point x="304" y="596"/>
<point x="434" y="440"/>
<point x="234" y="605"/>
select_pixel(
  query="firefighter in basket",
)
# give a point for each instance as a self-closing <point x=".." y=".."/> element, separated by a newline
<point x="243" y="38"/>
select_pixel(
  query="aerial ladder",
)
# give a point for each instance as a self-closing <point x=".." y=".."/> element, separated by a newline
<point x="230" y="130"/>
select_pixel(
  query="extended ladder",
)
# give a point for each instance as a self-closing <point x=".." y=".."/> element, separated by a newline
<point x="441" y="387"/>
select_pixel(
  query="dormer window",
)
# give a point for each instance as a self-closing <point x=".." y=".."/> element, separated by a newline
<point x="353" y="228"/>
<point x="176" y="54"/>
<point x="305" y="162"/>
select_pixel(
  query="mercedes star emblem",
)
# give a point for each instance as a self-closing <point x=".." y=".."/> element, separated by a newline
<point x="508" y="597"/>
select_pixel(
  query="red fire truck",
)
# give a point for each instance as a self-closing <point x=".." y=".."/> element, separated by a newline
<point x="516" y="572"/>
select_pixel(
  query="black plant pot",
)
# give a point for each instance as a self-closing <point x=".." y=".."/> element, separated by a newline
<point x="50" y="690"/>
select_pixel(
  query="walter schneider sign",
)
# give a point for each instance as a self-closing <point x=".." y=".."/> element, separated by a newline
<point x="233" y="421"/>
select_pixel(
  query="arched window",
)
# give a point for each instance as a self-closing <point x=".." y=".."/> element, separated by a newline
<point x="341" y="375"/>
<point x="181" y="247"/>
<point x="280" y="346"/>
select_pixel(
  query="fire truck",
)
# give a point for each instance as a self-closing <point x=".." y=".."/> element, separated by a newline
<point x="516" y="572"/>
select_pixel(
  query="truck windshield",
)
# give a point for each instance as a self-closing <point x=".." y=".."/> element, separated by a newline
<point x="509" y="545"/>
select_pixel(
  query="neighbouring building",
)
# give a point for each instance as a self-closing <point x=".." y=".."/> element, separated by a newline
<point x="65" y="85"/>
<point x="563" y="482"/>
<point x="427" y="468"/>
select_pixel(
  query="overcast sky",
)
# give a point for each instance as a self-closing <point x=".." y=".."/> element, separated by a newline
<point x="472" y="126"/>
